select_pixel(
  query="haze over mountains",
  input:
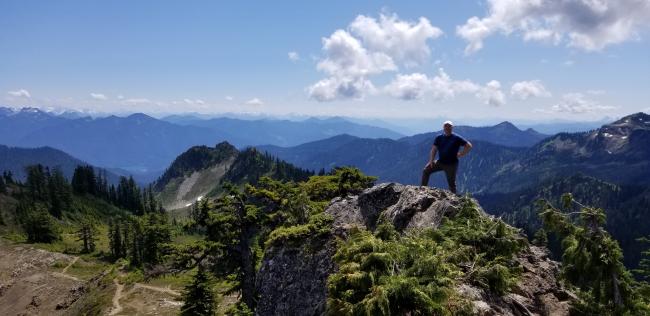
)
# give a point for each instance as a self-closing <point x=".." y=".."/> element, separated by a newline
<point x="145" y="146"/>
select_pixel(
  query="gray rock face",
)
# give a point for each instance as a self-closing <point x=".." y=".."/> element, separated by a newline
<point x="293" y="278"/>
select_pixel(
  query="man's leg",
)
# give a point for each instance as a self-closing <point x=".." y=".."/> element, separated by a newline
<point x="450" y="172"/>
<point x="426" y="173"/>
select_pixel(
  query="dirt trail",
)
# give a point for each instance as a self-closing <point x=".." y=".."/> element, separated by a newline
<point x="64" y="272"/>
<point x="117" y="308"/>
<point x="167" y="289"/>
<point x="120" y="293"/>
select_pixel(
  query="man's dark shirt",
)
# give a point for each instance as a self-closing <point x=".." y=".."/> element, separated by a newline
<point x="448" y="147"/>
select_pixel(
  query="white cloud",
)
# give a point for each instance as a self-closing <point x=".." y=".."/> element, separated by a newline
<point x="254" y="102"/>
<point x="589" y="25"/>
<point x="367" y="48"/>
<point x="443" y="87"/>
<point x="98" y="96"/>
<point x="137" y="101"/>
<point x="346" y="57"/>
<point x="293" y="56"/>
<point x="229" y="98"/>
<point x="194" y="102"/>
<point x="491" y="94"/>
<point x="334" y="88"/>
<point x="403" y="41"/>
<point x="120" y="97"/>
<point x="409" y="87"/>
<point x="21" y="93"/>
<point x="577" y="103"/>
<point x="527" y="89"/>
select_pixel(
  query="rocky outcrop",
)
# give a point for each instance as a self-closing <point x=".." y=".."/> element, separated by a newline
<point x="293" y="277"/>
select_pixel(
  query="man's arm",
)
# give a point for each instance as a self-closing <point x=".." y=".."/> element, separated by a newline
<point x="432" y="156"/>
<point x="466" y="148"/>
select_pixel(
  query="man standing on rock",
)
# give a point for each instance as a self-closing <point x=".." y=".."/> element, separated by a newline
<point x="447" y="146"/>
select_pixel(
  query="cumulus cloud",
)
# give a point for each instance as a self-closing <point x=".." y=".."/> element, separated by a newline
<point x="442" y="87"/>
<point x="366" y="48"/>
<point x="293" y="56"/>
<point x="254" y="102"/>
<point x="229" y="98"/>
<point x="527" y="89"/>
<point x="589" y="25"/>
<point x="578" y="103"/>
<point x="403" y="41"/>
<point x="333" y="88"/>
<point x="346" y="57"/>
<point x="21" y="93"/>
<point x="98" y="96"/>
<point x="491" y="94"/>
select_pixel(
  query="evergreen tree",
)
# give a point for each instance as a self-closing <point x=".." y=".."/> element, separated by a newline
<point x="233" y="226"/>
<point x="37" y="181"/>
<point x="115" y="239"/>
<point x="3" y="186"/>
<point x="60" y="193"/>
<point x="156" y="233"/>
<point x="39" y="226"/>
<point x="592" y="259"/>
<point x="8" y="177"/>
<point x="87" y="234"/>
<point x="199" y="298"/>
<point x="84" y="180"/>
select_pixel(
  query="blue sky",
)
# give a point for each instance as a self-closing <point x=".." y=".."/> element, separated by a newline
<point x="472" y="60"/>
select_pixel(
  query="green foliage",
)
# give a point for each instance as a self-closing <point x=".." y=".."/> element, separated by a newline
<point x="199" y="297"/>
<point x="144" y="240"/>
<point x="592" y="259"/>
<point x="541" y="237"/>
<point x="241" y="223"/>
<point x="387" y="273"/>
<point x="87" y="234"/>
<point x="340" y="182"/>
<point x="39" y="225"/>
<point x="318" y="225"/>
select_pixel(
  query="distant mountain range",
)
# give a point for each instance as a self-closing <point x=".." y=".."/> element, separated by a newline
<point x="283" y="132"/>
<point x="15" y="159"/>
<point x="145" y="146"/>
<point x="504" y="133"/>
<point x="618" y="152"/>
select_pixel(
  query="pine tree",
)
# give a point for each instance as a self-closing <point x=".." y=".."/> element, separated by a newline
<point x="8" y="176"/>
<point x="39" y="226"/>
<point x="234" y="225"/>
<point x="115" y="239"/>
<point x="156" y="233"/>
<point x="60" y="193"/>
<point x="199" y="298"/>
<point x="592" y="259"/>
<point x="87" y="234"/>
<point x="3" y="186"/>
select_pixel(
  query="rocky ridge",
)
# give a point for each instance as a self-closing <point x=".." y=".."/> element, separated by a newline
<point x="293" y="277"/>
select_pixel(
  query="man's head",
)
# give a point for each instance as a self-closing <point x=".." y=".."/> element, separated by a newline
<point x="447" y="126"/>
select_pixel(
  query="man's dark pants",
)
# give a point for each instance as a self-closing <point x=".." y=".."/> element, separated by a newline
<point x="450" y="172"/>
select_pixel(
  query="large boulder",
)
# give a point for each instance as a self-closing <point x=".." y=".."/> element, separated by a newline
<point x="293" y="277"/>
